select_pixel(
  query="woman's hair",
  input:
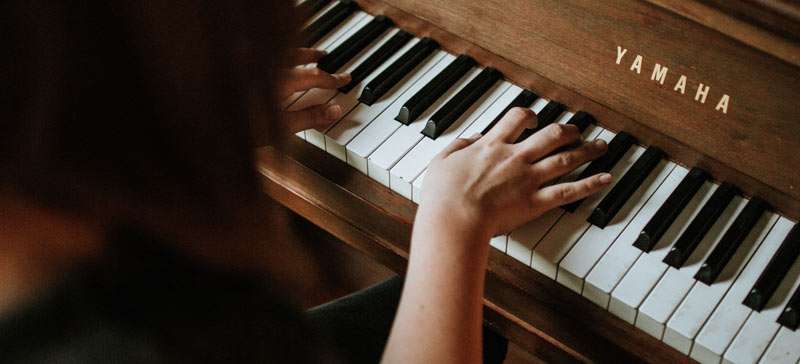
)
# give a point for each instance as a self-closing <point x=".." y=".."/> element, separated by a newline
<point x="139" y="110"/>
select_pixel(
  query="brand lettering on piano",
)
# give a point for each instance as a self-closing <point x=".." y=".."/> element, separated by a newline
<point x="660" y="76"/>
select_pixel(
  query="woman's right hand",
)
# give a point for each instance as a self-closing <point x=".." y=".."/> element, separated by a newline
<point x="490" y="185"/>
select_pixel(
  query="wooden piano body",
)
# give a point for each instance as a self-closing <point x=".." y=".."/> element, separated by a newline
<point x="712" y="83"/>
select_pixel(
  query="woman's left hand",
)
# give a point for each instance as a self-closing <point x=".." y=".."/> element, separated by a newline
<point x="303" y="77"/>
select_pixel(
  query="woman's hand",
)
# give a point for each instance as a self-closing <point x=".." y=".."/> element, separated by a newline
<point x="302" y="78"/>
<point x="474" y="189"/>
<point x="490" y="185"/>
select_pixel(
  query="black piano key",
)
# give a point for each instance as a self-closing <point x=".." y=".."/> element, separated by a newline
<point x="700" y="225"/>
<point x="546" y="116"/>
<point x="387" y="79"/>
<point x="426" y="96"/>
<point x="309" y="7"/>
<point x="731" y="240"/>
<point x="376" y="59"/>
<point x="460" y="102"/>
<point x="625" y="188"/>
<point x="790" y="317"/>
<point x="776" y="269"/>
<point x="670" y="210"/>
<point x="524" y="99"/>
<point x="582" y="120"/>
<point x="355" y="44"/>
<point x="616" y="150"/>
<point x="325" y="23"/>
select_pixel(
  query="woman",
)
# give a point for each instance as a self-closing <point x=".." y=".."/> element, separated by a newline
<point x="132" y="225"/>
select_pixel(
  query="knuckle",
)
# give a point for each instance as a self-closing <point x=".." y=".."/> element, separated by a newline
<point x="316" y="72"/>
<point x="556" y="131"/>
<point x="566" y="160"/>
<point x="565" y="193"/>
<point x="594" y="183"/>
<point x="589" y="185"/>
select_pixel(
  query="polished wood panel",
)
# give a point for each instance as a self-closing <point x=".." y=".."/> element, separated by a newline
<point x="534" y="311"/>
<point x="566" y="50"/>
<point x="772" y="27"/>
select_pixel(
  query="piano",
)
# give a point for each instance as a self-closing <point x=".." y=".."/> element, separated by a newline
<point x="690" y="255"/>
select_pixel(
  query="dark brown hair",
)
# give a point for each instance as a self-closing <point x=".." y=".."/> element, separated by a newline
<point x="139" y="110"/>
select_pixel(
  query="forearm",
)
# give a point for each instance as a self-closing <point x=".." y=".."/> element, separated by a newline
<point x="440" y="315"/>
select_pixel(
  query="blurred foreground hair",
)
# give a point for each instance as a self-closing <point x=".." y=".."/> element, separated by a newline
<point x="142" y="112"/>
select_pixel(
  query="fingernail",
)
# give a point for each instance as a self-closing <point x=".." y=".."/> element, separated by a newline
<point x="605" y="178"/>
<point x="342" y="77"/>
<point x="333" y="112"/>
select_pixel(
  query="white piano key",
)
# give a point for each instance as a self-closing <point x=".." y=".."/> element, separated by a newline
<point x="592" y="245"/>
<point x="784" y="349"/>
<point x="341" y="32"/>
<point x="350" y="125"/>
<point x="622" y="254"/>
<point x="380" y="129"/>
<point x="499" y="242"/>
<point x="539" y="104"/>
<point x="330" y="41"/>
<point x="698" y="305"/>
<point x="497" y="107"/>
<point x="407" y="136"/>
<point x="412" y="163"/>
<point x="318" y="96"/>
<point x="571" y="226"/>
<point x="523" y="240"/>
<point x="640" y="279"/>
<point x="350" y="99"/>
<point x="761" y="327"/>
<point x="676" y="283"/>
<point x="729" y="316"/>
<point x="319" y="14"/>
<point x="416" y="187"/>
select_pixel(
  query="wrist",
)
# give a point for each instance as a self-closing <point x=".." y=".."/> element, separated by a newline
<point x="457" y="222"/>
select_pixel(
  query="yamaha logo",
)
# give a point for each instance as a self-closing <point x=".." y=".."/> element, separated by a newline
<point x="660" y="75"/>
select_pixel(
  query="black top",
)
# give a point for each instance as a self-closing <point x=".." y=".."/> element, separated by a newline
<point x="144" y="302"/>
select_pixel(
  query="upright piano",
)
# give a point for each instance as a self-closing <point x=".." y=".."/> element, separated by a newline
<point x="690" y="255"/>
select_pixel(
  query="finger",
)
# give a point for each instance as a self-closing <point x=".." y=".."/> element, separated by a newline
<point x="509" y="128"/>
<point x="306" y="78"/>
<point x="317" y="117"/>
<point x="563" y="193"/>
<point x="306" y="55"/>
<point x="562" y="163"/>
<point x="458" y="144"/>
<point x="550" y="138"/>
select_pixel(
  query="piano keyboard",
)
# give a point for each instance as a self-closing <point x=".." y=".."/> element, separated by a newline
<point x="689" y="261"/>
